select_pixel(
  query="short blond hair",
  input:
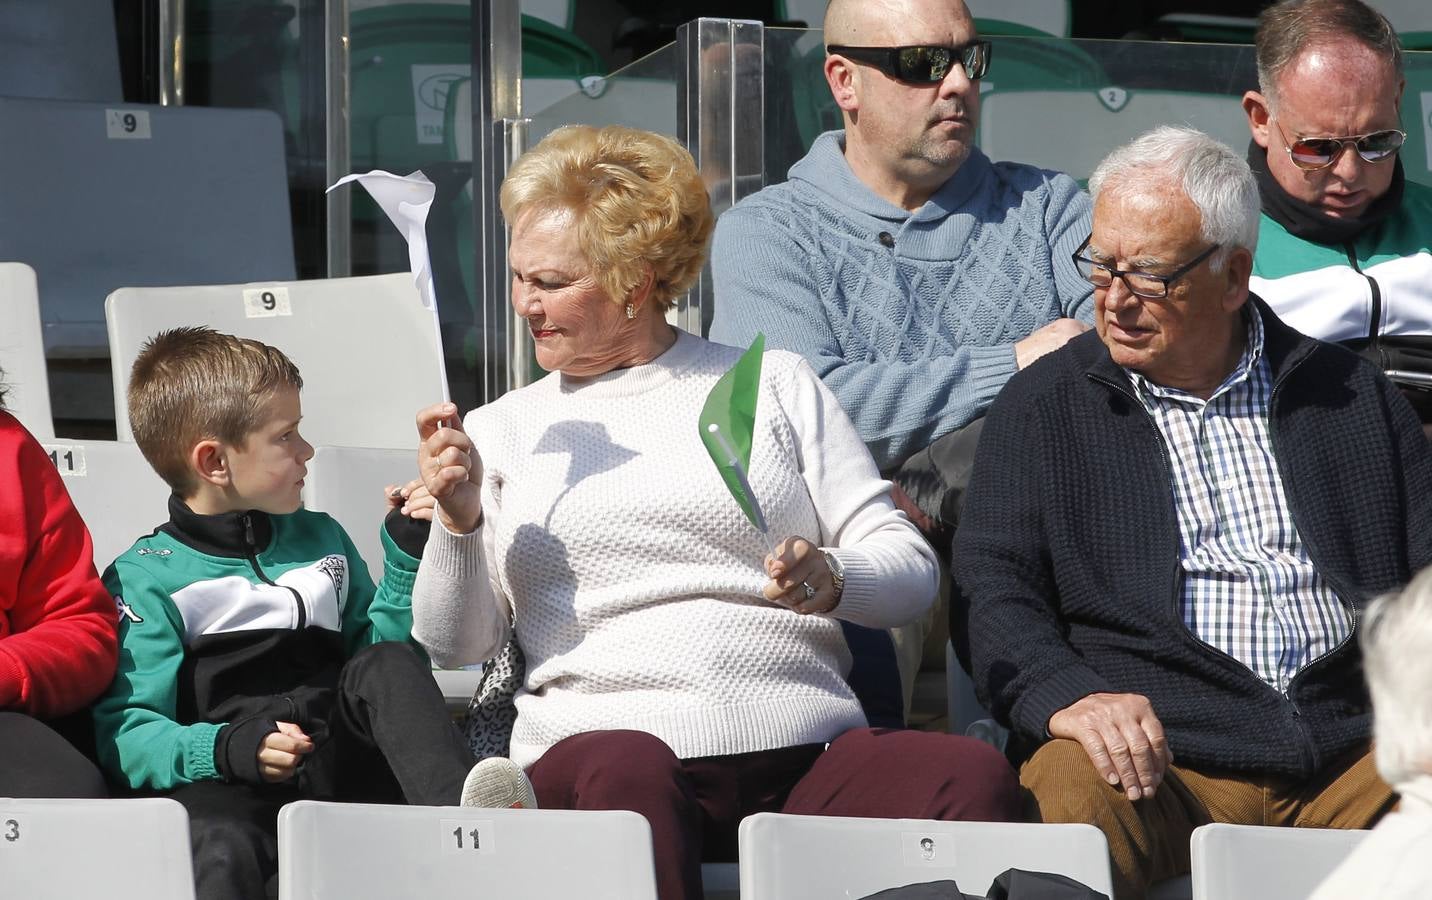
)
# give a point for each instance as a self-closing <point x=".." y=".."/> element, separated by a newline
<point x="637" y="200"/>
<point x="196" y="384"/>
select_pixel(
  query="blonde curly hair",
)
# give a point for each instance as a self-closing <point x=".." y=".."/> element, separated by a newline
<point x="638" y="203"/>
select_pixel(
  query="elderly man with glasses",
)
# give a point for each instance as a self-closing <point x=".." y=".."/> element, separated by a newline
<point x="913" y="273"/>
<point x="1344" y="254"/>
<point x="1172" y="526"/>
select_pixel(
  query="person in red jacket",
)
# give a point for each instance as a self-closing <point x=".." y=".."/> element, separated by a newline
<point x="57" y="625"/>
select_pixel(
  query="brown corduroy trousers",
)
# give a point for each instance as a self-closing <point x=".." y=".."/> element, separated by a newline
<point x="1148" y="839"/>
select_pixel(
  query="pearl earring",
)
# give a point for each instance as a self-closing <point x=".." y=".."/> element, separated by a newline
<point x="630" y="311"/>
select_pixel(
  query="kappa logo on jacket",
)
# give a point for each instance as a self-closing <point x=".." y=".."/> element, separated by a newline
<point x="127" y="612"/>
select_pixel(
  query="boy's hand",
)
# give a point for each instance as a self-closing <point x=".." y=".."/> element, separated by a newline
<point x="412" y="499"/>
<point x="282" y="751"/>
<point x="450" y="468"/>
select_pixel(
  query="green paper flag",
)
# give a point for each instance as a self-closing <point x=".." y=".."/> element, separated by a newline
<point x="727" y="423"/>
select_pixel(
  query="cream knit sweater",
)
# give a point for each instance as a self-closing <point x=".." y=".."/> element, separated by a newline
<point x="634" y="580"/>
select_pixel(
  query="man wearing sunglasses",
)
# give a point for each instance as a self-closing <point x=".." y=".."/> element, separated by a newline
<point x="1172" y="526"/>
<point x="1344" y="253"/>
<point x="913" y="273"/>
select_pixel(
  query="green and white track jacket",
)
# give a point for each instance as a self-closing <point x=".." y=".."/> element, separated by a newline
<point x="232" y="616"/>
<point x="1379" y="284"/>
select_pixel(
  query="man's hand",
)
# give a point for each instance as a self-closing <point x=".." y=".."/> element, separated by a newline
<point x="282" y="751"/>
<point x="450" y="468"/>
<point x="1046" y="340"/>
<point x="1124" y="739"/>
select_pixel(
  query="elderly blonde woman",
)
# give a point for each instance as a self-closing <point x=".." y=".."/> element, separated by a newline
<point x="1393" y="862"/>
<point x="677" y="666"/>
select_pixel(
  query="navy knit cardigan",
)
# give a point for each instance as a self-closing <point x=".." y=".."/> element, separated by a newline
<point x="1066" y="561"/>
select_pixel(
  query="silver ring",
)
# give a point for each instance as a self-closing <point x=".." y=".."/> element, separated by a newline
<point x="809" y="591"/>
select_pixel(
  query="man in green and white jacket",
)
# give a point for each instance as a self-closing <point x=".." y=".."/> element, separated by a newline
<point x="1345" y="244"/>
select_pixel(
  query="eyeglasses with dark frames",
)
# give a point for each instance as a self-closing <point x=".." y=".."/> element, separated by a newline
<point x="1311" y="154"/>
<point x="921" y="63"/>
<point x="1140" y="284"/>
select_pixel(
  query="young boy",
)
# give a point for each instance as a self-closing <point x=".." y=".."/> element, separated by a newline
<point x="258" y="664"/>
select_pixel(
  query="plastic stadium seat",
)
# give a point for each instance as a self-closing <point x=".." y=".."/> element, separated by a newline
<point x="1016" y="125"/>
<point x="22" y="356"/>
<point x="59" y="50"/>
<point x="354" y="851"/>
<point x="117" y="494"/>
<point x="116" y="849"/>
<point x="1254" y="862"/>
<point x="98" y="197"/>
<point x="347" y="483"/>
<point x="366" y="347"/>
<point x="818" y="857"/>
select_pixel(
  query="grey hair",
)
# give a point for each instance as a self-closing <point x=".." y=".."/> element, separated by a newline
<point x="1216" y="180"/>
<point x="1397" y="659"/>
<point x="1286" y="29"/>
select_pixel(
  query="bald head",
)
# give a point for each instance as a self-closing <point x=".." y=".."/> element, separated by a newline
<point x="903" y="139"/>
<point x="867" y="22"/>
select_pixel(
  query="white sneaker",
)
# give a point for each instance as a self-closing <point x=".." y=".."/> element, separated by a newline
<point x="498" y="783"/>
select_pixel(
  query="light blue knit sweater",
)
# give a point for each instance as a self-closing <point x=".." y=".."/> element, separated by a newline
<point x="915" y="334"/>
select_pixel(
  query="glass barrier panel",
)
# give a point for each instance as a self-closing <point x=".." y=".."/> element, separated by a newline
<point x="269" y="54"/>
<point x="639" y="95"/>
<point x="1063" y="104"/>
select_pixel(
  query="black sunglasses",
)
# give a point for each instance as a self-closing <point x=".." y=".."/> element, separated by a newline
<point x="921" y="63"/>
<point x="1311" y="154"/>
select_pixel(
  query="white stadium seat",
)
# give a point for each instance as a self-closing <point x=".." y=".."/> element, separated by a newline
<point x="22" y="351"/>
<point x="117" y="494"/>
<point x="366" y="347"/>
<point x="1255" y="862"/>
<point x="356" y="851"/>
<point x="117" y="849"/>
<point x="347" y="483"/>
<point x="99" y="196"/>
<point x="818" y="857"/>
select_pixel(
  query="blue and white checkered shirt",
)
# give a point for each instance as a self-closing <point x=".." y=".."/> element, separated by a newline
<point x="1249" y="588"/>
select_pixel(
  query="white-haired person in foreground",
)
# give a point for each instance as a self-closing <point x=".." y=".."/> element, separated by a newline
<point x="1394" y="862"/>
<point x="1172" y="527"/>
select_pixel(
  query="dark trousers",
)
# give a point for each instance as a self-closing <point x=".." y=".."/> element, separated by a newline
<point x="695" y="805"/>
<point x="36" y="760"/>
<point x="390" y="740"/>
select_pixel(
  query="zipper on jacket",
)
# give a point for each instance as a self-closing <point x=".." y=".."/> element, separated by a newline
<point x="1309" y="750"/>
<point x="251" y="551"/>
<point x="1374" y="329"/>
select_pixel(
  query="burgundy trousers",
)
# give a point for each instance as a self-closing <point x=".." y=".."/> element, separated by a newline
<point x="695" y="805"/>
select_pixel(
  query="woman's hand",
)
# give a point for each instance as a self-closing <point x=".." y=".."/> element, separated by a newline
<point x="801" y="580"/>
<point x="450" y="468"/>
<point x="412" y="498"/>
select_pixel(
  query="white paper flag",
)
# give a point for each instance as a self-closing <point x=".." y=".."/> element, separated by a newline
<point x="406" y="200"/>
